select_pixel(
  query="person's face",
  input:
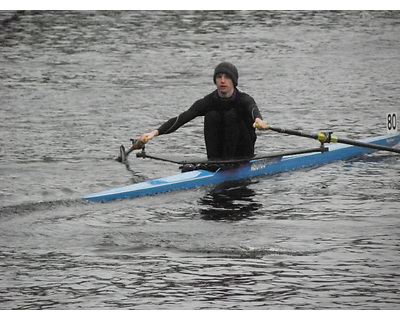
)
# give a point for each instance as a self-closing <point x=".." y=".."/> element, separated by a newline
<point x="224" y="85"/>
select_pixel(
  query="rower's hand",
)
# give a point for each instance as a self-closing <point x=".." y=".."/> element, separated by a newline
<point x="148" y="136"/>
<point x="260" y="124"/>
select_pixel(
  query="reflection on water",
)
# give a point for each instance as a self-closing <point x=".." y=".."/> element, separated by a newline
<point x="232" y="200"/>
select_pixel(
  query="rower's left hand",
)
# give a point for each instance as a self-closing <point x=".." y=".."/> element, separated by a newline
<point x="260" y="124"/>
<point x="148" y="136"/>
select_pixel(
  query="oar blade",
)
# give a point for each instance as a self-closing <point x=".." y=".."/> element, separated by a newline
<point x="122" y="154"/>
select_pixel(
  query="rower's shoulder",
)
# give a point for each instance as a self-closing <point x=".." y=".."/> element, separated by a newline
<point x="200" y="105"/>
<point x="243" y="95"/>
<point x="208" y="96"/>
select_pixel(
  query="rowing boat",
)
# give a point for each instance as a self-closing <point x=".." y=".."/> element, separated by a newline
<point x="263" y="165"/>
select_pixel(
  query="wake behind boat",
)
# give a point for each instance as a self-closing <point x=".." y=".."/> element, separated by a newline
<point x="202" y="175"/>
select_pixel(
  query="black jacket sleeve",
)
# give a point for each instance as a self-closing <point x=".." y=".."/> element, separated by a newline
<point x="251" y="106"/>
<point x="197" y="109"/>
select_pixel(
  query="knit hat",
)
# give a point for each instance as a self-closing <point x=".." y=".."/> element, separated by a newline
<point x="229" y="69"/>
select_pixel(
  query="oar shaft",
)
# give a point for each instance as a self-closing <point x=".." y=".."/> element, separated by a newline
<point x="367" y="145"/>
<point x="323" y="138"/>
<point x="294" y="132"/>
<point x="145" y="155"/>
<point x="130" y="150"/>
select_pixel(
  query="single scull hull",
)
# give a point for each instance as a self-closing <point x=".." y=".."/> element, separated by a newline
<point x="268" y="166"/>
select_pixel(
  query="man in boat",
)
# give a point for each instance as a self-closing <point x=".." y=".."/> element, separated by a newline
<point x="231" y="117"/>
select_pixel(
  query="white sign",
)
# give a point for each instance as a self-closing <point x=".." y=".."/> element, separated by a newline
<point x="391" y="122"/>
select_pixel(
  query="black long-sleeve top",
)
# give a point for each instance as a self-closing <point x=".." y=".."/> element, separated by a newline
<point x="243" y="102"/>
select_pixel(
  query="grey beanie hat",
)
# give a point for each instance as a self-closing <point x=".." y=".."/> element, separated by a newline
<point x="229" y="69"/>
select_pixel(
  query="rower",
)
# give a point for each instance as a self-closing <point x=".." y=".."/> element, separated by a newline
<point x="230" y="118"/>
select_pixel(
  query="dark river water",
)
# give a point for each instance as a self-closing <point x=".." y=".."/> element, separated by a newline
<point x="75" y="85"/>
